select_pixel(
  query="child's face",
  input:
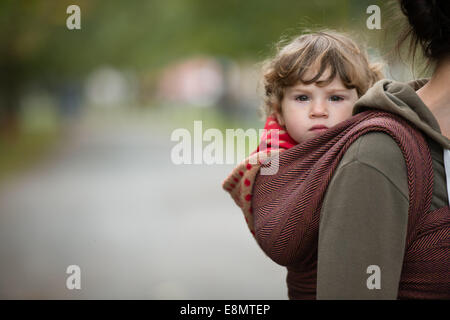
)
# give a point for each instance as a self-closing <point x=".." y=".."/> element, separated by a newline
<point x="305" y="106"/>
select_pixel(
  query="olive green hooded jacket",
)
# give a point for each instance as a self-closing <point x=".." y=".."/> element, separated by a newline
<point x="364" y="215"/>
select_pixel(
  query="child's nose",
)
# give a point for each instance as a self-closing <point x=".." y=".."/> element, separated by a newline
<point x="318" y="109"/>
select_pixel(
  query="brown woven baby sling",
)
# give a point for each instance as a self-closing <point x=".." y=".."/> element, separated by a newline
<point x="286" y="207"/>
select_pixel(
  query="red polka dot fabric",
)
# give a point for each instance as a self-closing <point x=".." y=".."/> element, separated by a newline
<point x="239" y="182"/>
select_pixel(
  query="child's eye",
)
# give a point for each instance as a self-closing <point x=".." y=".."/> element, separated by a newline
<point x="336" y="98"/>
<point x="301" y="97"/>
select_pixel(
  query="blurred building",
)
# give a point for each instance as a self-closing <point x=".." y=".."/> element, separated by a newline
<point x="198" y="81"/>
<point x="230" y="86"/>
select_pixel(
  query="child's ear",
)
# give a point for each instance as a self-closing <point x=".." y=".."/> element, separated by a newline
<point x="279" y="118"/>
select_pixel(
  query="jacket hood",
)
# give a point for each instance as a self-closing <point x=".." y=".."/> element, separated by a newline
<point x="401" y="99"/>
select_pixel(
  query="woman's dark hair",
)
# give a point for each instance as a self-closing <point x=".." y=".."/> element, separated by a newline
<point x="429" y="27"/>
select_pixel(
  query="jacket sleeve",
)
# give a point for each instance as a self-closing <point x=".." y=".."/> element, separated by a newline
<point x="363" y="223"/>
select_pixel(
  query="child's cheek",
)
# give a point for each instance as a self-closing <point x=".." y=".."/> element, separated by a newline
<point x="295" y="130"/>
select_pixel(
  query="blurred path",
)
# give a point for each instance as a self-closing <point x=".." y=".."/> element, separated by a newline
<point x="139" y="227"/>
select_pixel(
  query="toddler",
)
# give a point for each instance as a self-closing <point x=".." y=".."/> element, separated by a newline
<point x="310" y="86"/>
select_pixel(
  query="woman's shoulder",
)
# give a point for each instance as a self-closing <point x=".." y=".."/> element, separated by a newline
<point x="379" y="151"/>
<point x="364" y="219"/>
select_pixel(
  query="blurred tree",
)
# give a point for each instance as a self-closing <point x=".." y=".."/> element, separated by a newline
<point x="27" y="31"/>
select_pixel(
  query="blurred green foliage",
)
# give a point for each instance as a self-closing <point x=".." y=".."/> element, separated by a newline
<point x="25" y="150"/>
<point x="150" y="34"/>
<point x="145" y="36"/>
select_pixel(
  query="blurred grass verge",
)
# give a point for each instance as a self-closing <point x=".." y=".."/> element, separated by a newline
<point x="40" y="130"/>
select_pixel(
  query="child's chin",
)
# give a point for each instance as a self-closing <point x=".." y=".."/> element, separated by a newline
<point x="315" y="133"/>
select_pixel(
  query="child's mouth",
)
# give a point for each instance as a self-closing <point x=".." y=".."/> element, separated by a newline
<point x="318" y="128"/>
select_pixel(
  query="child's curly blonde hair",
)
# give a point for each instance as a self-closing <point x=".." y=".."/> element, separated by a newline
<point x="322" y="51"/>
